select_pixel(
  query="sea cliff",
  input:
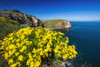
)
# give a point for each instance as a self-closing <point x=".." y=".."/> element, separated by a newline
<point x="57" y="24"/>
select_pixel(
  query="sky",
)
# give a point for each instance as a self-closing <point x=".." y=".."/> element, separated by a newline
<point x="72" y="10"/>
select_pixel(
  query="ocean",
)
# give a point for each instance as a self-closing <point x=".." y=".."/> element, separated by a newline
<point x="86" y="37"/>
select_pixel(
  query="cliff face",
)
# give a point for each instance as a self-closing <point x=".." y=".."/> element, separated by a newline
<point x="22" y="18"/>
<point x="64" y="24"/>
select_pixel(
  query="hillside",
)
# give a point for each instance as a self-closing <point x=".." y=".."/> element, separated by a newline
<point x="52" y="23"/>
<point x="21" y="17"/>
<point x="14" y="20"/>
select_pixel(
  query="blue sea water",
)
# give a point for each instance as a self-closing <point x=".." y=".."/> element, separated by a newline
<point x="86" y="37"/>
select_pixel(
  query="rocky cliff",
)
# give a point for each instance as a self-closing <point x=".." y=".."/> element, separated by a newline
<point x="64" y="24"/>
<point x="21" y="17"/>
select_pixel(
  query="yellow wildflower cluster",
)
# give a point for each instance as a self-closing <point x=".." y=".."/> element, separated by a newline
<point x="3" y="19"/>
<point x="27" y="46"/>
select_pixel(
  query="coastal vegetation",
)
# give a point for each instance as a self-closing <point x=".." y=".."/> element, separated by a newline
<point x="31" y="47"/>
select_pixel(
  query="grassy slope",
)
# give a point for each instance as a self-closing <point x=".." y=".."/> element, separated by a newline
<point x="52" y="23"/>
<point x="6" y="28"/>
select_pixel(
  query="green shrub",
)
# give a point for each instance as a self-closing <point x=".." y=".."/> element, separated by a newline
<point x="23" y="25"/>
<point x="15" y="11"/>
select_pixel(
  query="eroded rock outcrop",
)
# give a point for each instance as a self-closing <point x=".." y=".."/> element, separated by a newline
<point x="37" y="22"/>
<point x="65" y="24"/>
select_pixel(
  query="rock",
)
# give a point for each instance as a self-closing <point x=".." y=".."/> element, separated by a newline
<point x="68" y="64"/>
<point x="37" y="22"/>
<point x="63" y="64"/>
<point x="65" y="24"/>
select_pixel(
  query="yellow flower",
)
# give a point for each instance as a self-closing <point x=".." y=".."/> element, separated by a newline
<point x="64" y="56"/>
<point x="56" y="50"/>
<point x="70" y="57"/>
<point x="12" y="46"/>
<point x="73" y="46"/>
<point x="23" y="48"/>
<point x="10" y="52"/>
<point x="7" y="48"/>
<point x="60" y="33"/>
<point x="37" y="63"/>
<point x="13" y="65"/>
<point x="41" y="53"/>
<point x="6" y="55"/>
<point x="20" y="58"/>
<point x="18" y="63"/>
<point x="10" y="61"/>
<point x="28" y="62"/>
<point x="34" y="50"/>
<point x="32" y="64"/>
<point x="17" y="53"/>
